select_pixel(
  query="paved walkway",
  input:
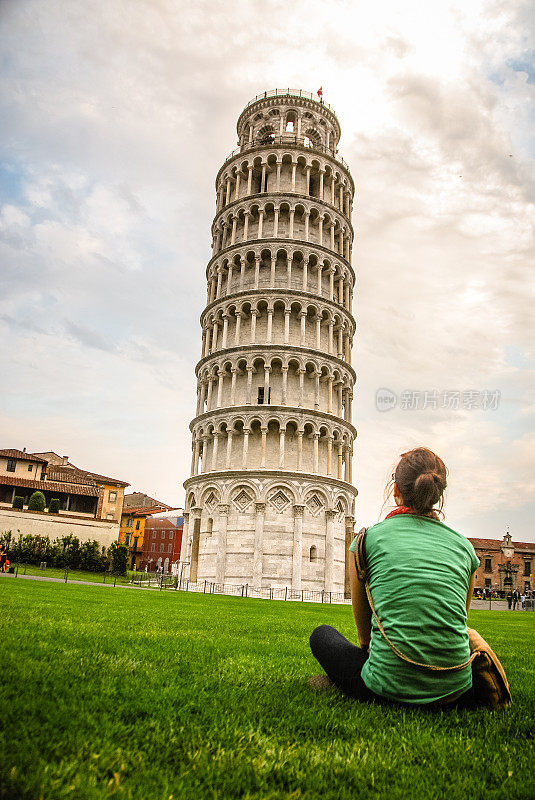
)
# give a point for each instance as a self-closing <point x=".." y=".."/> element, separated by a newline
<point x="62" y="580"/>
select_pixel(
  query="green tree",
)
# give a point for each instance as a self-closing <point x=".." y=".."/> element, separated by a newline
<point x="18" y="502"/>
<point x="118" y="558"/>
<point x="37" y="502"/>
<point x="53" y="506"/>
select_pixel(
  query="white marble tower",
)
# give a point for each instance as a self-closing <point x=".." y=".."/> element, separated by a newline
<point x="270" y="501"/>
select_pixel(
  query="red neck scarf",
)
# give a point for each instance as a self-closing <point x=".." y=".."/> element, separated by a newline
<point x="407" y="510"/>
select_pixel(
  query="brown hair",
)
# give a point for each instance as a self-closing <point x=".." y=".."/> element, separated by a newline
<point x="421" y="479"/>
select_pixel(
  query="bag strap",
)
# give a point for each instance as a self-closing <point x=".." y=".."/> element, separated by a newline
<point x="361" y="567"/>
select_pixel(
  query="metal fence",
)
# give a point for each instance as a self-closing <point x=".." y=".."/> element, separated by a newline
<point x="173" y="583"/>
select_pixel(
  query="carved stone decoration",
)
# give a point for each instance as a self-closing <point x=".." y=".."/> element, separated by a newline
<point x="315" y="504"/>
<point x="280" y="501"/>
<point x="243" y="500"/>
<point x="211" y="501"/>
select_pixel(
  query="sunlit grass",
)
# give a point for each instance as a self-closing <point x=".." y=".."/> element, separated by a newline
<point x="155" y="695"/>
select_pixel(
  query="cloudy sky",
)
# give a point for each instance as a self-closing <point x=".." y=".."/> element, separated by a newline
<point x="116" y="115"/>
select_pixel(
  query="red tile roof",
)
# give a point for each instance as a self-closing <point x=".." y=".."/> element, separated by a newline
<point x="496" y="544"/>
<point x="50" y="486"/>
<point x="159" y="524"/>
<point x="75" y="475"/>
<point x="21" y="455"/>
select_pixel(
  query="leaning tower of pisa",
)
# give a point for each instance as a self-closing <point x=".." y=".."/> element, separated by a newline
<point x="270" y="501"/>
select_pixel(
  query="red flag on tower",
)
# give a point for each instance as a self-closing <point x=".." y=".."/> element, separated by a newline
<point x="320" y="91"/>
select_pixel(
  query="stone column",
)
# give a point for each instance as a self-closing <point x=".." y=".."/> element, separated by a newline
<point x="221" y="375"/>
<point x="322" y="176"/>
<point x="214" y="335"/>
<point x="307" y="225"/>
<point x="250" y="179"/>
<point x="210" y="390"/>
<point x="228" y="457"/>
<point x="300" y="435"/>
<point x="263" y="179"/>
<point x="272" y="274"/>
<point x="340" y="463"/>
<point x="330" y="380"/>
<point x="215" y="447"/>
<point x="289" y="270"/>
<point x="305" y="275"/>
<point x="294" y="168"/>
<point x="303" y="315"/>
<point x="196" y="456"/>
<point x="318" y="332"/>
<point x="320" y="268"/>
<point x="282" y="433"/>
<point x="320" y="230"/>
<point x="329" y="550"/>
<point x="237" y="329"/>
<point x="316" y="453"/>
<point x="301" y="373"/>
<point x="246" y="226"/>
<point x="308" y="180"/>
<point x="284" y="371"/>
<point x="221" y="543"/>
<point x="287" y="313"/>
<point x="267" y="370"/>
<point x="297" y="550"/>
<point x="260" y="222"/>
<point x="279" y="176"/>
<point x="193" y="455"/>
<point x="269" y="334"/>
<point x="258" y="553"/>
<point x="349" y="535"/>
<point x="233" y="232"/>
<point x="225" y="331"/>
<point x="264" y="432"/>
<point x="238" y="181"/>
<point x="249" y="385"/>
<point x="329" y="455"/>
<point x="246" y="432"/>
<point x="229" y="278"/>
<point x="317" y="376"/>
<point x="291" y="229"/>
<point x="254" y="314"/>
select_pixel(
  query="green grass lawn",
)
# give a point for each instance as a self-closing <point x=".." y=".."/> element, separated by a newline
<point x="173" y="695"/>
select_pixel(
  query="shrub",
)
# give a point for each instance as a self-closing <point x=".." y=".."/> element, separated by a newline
<point x="53" y="506"/>
<point x="118" y="556"/>
<point x="18" y="502"/>
<point x="37" y="502"/>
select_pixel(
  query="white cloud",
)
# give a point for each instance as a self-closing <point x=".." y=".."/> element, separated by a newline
<point x="116" y="118"/>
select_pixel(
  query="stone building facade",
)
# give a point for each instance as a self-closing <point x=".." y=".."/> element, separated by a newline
<point x="504" y="564"/>
<point x="270" y="499"/>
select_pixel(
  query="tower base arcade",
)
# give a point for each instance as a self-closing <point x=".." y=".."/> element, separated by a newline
<point x="268" y="529"/>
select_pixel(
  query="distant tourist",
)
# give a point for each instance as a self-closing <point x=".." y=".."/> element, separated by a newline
<point x="516" y="598"/>
<point x="509" y="598"/>
<point x="420" y="577"/>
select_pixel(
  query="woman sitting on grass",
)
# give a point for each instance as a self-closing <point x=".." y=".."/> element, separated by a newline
<point x="421" y="577"/>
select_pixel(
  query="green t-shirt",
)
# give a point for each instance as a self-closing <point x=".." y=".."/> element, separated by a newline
<point x="419" y="572"/>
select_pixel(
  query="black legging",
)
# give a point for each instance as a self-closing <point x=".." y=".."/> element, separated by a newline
<point x="342" y="661"/>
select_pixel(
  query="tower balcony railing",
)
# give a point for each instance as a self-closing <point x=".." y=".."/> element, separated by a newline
<point x="286" y="140"/>
<point x="291" y="93"/>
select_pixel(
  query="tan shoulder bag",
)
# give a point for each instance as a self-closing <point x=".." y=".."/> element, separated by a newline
<point x="489" y="680"/>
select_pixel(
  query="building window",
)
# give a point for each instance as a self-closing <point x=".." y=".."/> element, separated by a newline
<point x="154" y="534"/>
<point x="137" y="524"/>
<point x="112" y="497"/>
<point x="11" y="464"/>
<point x="153" y="547"/>
<point x="170" y="534"/>
<point x="162" y="547"/>
<point x="30" y="467"/>
<point x="109" y="516"/>
<point x="129" y="522"/>
<point x="527" y="569"/>
<point x="487" y="582"/>
<point x="313" y="554"/>
<point x="163" y="534"/>
<point x="488" y="565"/>
<point x="169" y="548"/>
